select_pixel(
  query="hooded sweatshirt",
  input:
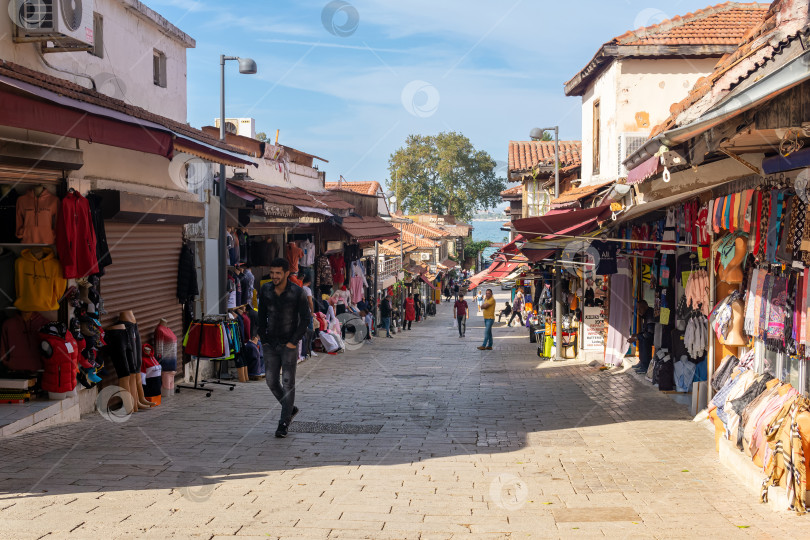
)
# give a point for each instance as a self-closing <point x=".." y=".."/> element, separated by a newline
<point x="39" y="281"/>
<point x="36" y="217"/>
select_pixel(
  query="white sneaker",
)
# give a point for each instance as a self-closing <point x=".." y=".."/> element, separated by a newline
<point x="313" y="353"/>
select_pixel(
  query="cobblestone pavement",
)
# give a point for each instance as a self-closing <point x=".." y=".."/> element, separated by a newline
<point x="421" y="436"/>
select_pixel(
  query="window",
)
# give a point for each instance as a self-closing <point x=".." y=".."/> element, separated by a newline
<point x="159" y="68"/>
<point x="98" y="35"/>
<point x="597" y="136"/>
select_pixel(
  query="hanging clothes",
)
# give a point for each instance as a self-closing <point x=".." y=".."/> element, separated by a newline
<point x="293" y="254"/>
<point x="103" y="257"/>
<point x="187" y="289"/>
<point x="36" y="217"/>
<point x="358" y="283"/>
<point x="166" y="347"/>
<point x="8" y="217"/>
<point x="75" y="237"/>
<point x="621" y="314"/>
<point x="39" y="281"/>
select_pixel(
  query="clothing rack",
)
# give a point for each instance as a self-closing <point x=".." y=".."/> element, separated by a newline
<point x="209" y="319"/>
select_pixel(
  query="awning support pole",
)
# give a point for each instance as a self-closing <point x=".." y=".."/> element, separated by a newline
<point x="710" y="348"/>
<point x="558" y="309"/>
<point x="619" y="240"/>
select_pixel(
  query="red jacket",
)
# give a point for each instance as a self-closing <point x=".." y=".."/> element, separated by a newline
<point x="76" y="238"/>
<point x="62" y="366"/>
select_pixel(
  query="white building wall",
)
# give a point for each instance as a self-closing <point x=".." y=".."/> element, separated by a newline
<point x="635" y="95"/>
<point x="126" y="70"/>
<point x="271" y="173"/>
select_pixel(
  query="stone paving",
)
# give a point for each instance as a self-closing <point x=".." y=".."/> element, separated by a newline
<point x="452" y="443"/>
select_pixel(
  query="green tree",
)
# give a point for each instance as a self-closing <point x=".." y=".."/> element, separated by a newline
<point x="261" y="136"/>
<point x="547" y="136"/>
<point x="444" y="174"/>
<point x="472" y="249"/>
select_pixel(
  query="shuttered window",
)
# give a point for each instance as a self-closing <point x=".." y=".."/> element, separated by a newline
<point x="143" y="276"/>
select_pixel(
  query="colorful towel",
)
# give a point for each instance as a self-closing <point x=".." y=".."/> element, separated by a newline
<point x="776" y="313"/>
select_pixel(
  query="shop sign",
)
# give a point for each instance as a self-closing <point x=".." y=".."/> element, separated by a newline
<point x="368" y="252"/>
<point x="593" y="319"/>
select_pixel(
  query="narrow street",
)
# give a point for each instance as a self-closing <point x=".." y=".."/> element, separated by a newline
<point x="421" y="436"/>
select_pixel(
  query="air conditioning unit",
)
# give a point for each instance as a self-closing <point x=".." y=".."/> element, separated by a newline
<point x="424" y="256"/>
<point x="68" y="24"/>
<point x="629" y="143"/>
<point x="246" y="127"/>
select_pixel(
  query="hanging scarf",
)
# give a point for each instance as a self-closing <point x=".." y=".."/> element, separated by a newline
<point x="750" y="302"/>
<point x="790" y="306"/>
<point x="773" y="226"/>
<point x="784" y="246"/>
<point x="797" y="227"/>
<point x="776" y="314"/>
<point x="764" y="218"/>
<point x="762" y="325"/>
<point x="805" y="307"/>
<point x="747" y="210"/>
<point x="782" y="435"/>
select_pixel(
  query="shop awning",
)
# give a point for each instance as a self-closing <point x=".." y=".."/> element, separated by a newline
<point x="571" y="198"/>
<point x="569" y="222"/>
<point x="41" y="102"/>
<point x="292" y="197"/>
<point x="647" y="169"/>
<point x="537" y="255"/>
<point x="447" y="264"/>
<point x="426" y="280"/>
<point x="369" y="229"/>
<point x="499" y="269"/>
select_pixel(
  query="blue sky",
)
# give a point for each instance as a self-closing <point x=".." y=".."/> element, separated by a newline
<point x="349" y="81"/>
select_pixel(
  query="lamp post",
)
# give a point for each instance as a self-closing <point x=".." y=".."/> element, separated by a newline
<point x="537" y="134"/>
<point x="248" y="67"/>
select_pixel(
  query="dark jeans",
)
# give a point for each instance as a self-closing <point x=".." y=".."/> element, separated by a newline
<point x="462" y="325"/>
<point x="407" y="325"/>
<point x="280" y="362"/>
<point x="386" y="321"/>
<point x="517" y="314"/>
<point x="644" y="353"/>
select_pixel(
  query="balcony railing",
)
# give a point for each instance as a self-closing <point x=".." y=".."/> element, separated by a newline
<point x="389" y="267"/>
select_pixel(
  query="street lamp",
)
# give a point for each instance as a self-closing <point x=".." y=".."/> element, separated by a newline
<point x="537" y="134"/>
<point x="248" y="67"/>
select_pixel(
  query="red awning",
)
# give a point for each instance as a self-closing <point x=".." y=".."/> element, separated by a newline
<point x="571" y="222"/>
<point x="503" y="270"/>
<point x="426" y="280"/>
<point x="537" y="255"/>
<point x="647" y="169"/>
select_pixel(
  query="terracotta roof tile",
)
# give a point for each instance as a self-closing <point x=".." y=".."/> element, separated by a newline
<point x="512" y="191"/>
<point x="524" y="155"/>
<point x="72" y="90"/>
<point x="723" y="24"/>
<point x="424" y="230"/>
<point x="366" y="228"/>
<point x="578" y="193"/>
<point x="364" y="188"/>
<point x="753" y="50"/>
<point x="418" y="241"/>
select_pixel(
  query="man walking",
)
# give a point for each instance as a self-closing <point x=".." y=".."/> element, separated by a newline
<point x="284" y="317"/>
<point x="488" y="307"/>
<point x="644" y="337"/>
<point x="385" y="315"/>
<point x="461" y="311"/>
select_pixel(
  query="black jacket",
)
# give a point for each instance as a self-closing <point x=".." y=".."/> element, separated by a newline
<point x="385" y="308"/>
<point x="283" y="318"/>
<point x="187" y="276"/>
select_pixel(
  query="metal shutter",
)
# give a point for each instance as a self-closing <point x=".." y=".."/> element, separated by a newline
<point x="143" y="276"/>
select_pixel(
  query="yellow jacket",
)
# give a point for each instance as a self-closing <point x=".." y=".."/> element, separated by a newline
<point x="489" y="308"/>
<point x="39" y="281"/>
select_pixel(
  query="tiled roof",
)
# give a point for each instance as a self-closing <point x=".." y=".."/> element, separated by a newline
<point x="760" y="45"/>
<point x="723" y="24"/>
<point x="715" y="29"/>
<point x="512" y="191"/>
<point x="524" y="155"/>
<point x="420" y="229"/>
<point x="71" y="90"/>
<point x="411" y="238"/>
<point x="391" y="247"/>
<point x="457" y="230"/>
<point x="364" y="188"/>
<point x="292" y="196"/>
<point x="578" y="193"/>
<point x="367" y="228"/>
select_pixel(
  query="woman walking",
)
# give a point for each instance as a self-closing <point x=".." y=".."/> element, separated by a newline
<point x="410" y="312"/>
<point x="479" y="299"/>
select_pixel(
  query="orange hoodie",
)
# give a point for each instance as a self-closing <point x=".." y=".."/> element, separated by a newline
<point x="39" y="281"/>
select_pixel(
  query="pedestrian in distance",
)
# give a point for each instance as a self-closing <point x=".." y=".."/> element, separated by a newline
<point x="517" y="309"/>
<point x="461" y="311"/>
<point x="644" y="337"/>
<point x="284" y="317"/>
<point x="447" y="293"/>
<point x="385" y="315"/>
<point x="417" y="301"/>
<point x="488" y="306"/>
<point x="410" y="311"/>
<point x="479" y="299"/>
<point x="505" y="312"/>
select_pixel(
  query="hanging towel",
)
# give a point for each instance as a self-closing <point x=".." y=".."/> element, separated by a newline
<point x="748" y="325"/>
